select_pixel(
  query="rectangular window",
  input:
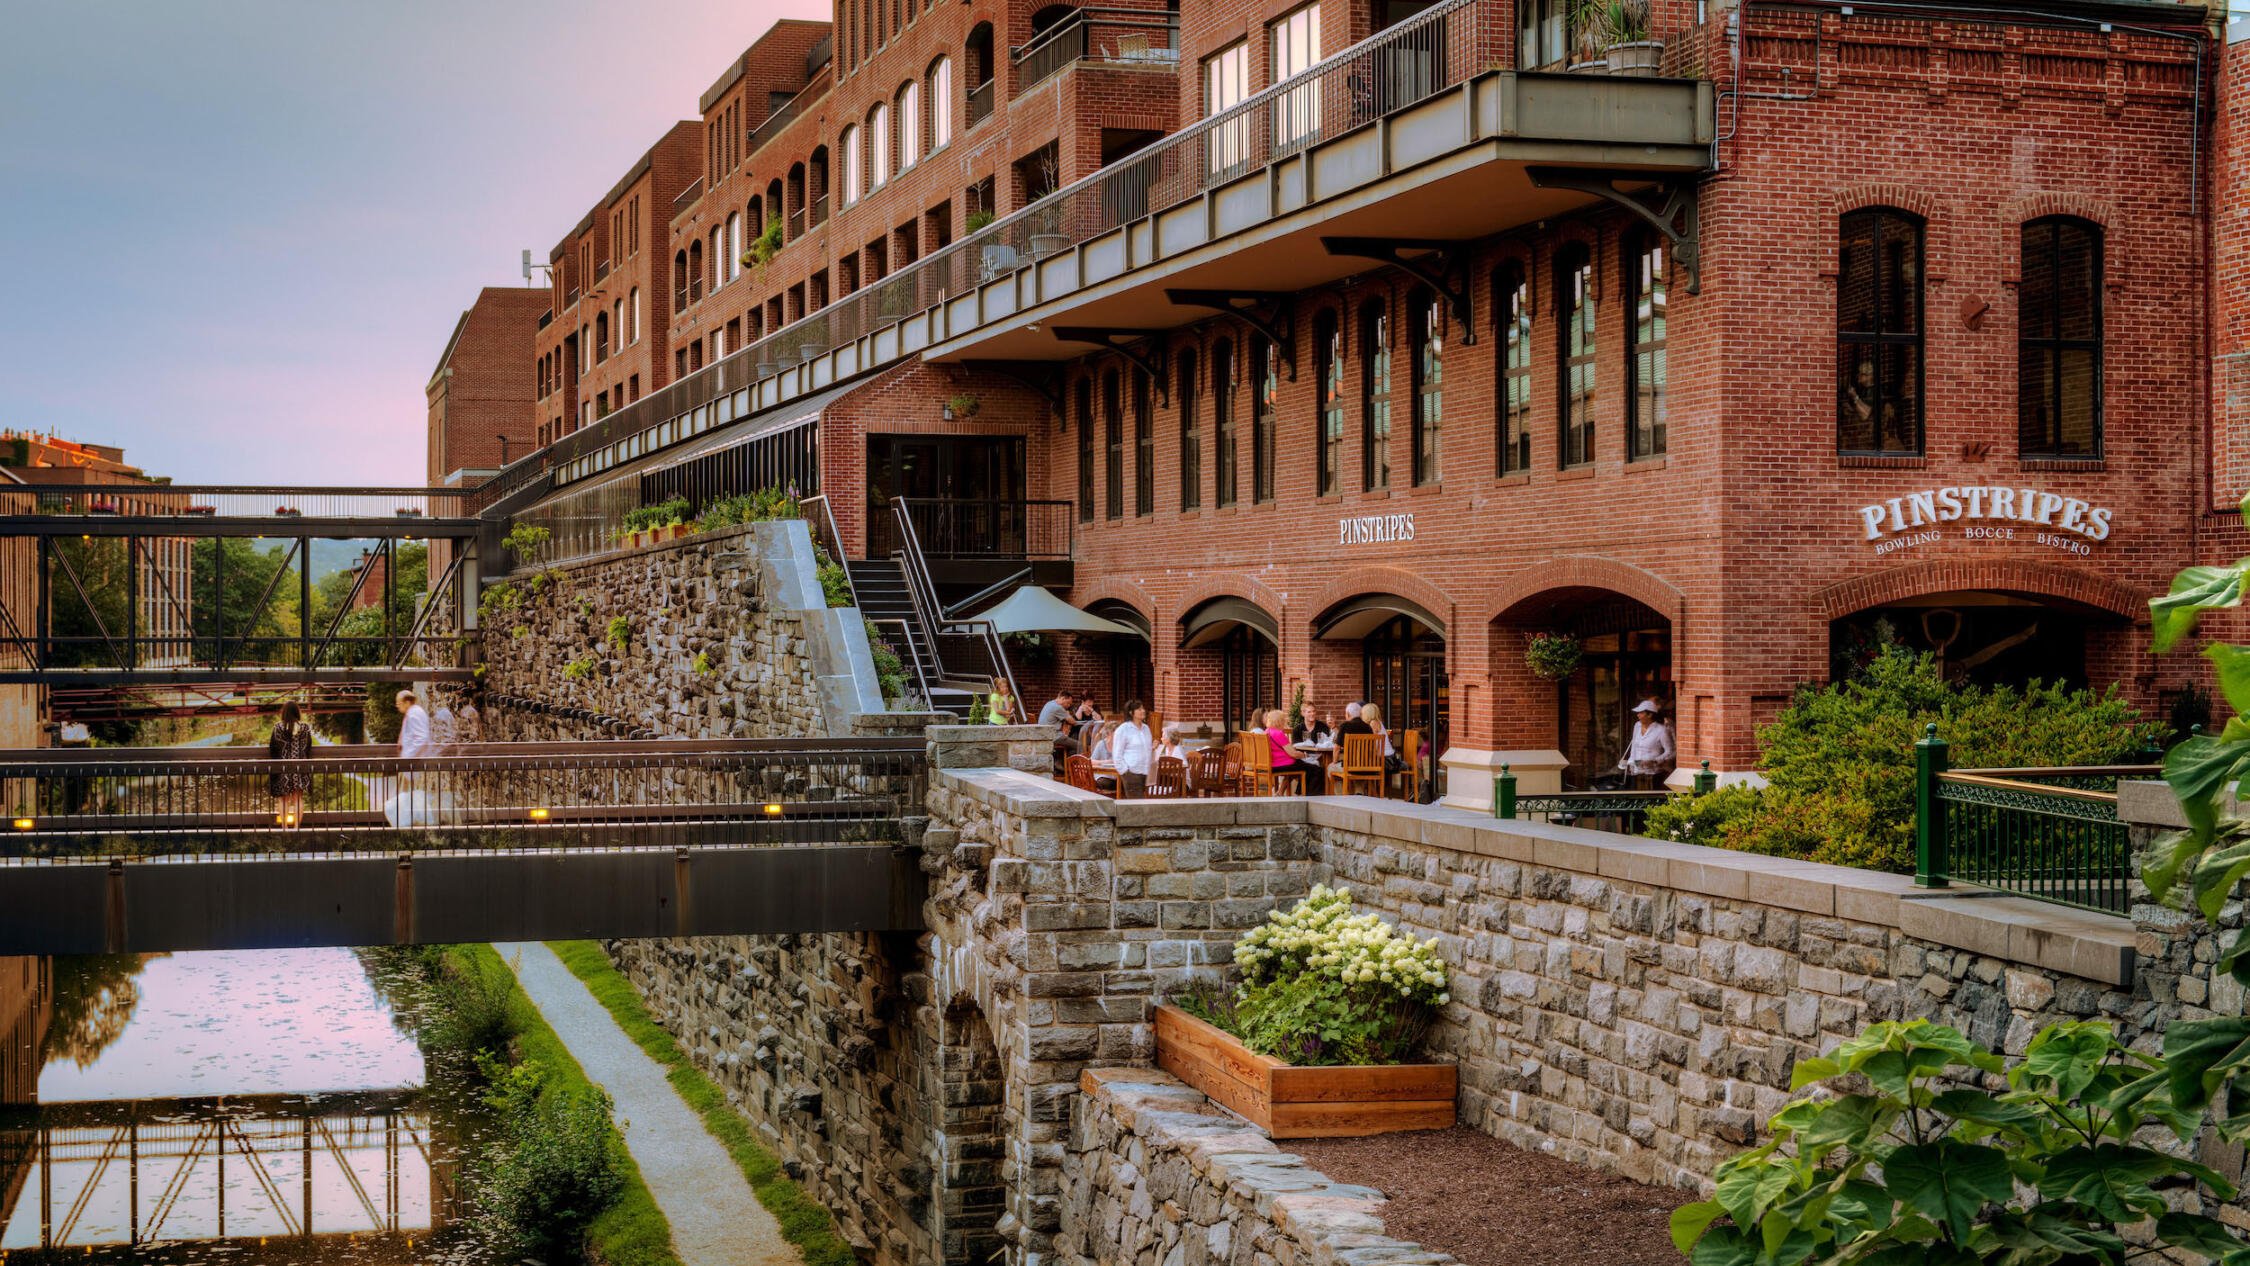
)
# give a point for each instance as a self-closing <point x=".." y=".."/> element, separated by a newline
<point x="1226" y="84"/>
<point x="1429" y="384"/>
<point x="1265" y="364"/>
<point x="2059" y="341"/>
<point x="1511" y="310"/>
<point x="1879" y="333"/>
<point x="1328" y="345"/>
<point x="1542" y="33"/>
<point x="1184" y="386"/>
<point x="1375" y="396"/>
<point x="1647" y="282"/>
<point x="1113" y="445"/>
<point x="1144" y="445"/>
<point x="1222" y="405"/>
<point x="1577" y="318"/>
<point x="1085" y="451"/>
<point x="1294" y="45"/>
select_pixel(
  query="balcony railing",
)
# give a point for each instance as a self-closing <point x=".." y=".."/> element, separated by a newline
<point x="236" y="501"/>
<point x="980" y="103"/>
<point x="546" y="318"/>
<point x="1029" y="531"/>
<point x="787" y="114"/>
<point x="1432" y="51"/>
<point x="688" y="196"/>
<point x="1130" y="36"/>
<point x="820" y="210"/>
<point x="796" y="224"/>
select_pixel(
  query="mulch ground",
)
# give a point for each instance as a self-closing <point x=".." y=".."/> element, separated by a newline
<point x="1463" y="1192"/>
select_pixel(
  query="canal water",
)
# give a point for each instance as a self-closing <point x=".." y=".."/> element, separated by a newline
<point x="237" y="1107"/>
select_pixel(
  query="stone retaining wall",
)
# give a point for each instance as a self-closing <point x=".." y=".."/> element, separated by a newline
<point x="1156" y="1174"/>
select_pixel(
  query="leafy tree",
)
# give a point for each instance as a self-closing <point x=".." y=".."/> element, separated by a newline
<point x="230" y="575"/>
<point x="379" y="717"/>
<point x="95" y="996"/>
<point x="1840" y="758"/>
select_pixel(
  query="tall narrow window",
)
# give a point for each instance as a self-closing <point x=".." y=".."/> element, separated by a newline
<point x="1226" y="83"/>
<point x="878" y="146"/>
<point x="849" y="149"/>
<point x="1578" y="319"/>
<point x="636" y="314"/>
<point x="1542" y="33"/>
<point x="1293" y="45"/>
<point x="1113" y="446"/>
<point x="1647" y="285"/>
<point x="1085" y="451"/>
<point x="1265" y="369"/>
<point x="1879" y="333"/>
<point x="1375" y="395"/>
<point x="617" y="324"/>
<point x="2059" y="340"/>
<point x="1328" y="345"/>
<point x="1144" y="445"/>
<point x="734" y="245"/>
<point x="1429" y="383"/>
<point x="1184" y="384"/>
<point x="1222" y="413"/>
<point x="1511" y="312"/>
<point x="941" y="102"/>
<point x="909" y="124"/>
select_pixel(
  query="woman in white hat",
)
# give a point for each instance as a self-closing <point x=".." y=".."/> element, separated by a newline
<point x="1648" y="751"/>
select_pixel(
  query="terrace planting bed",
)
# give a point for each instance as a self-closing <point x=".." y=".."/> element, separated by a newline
<point x="1289" y="1102"/>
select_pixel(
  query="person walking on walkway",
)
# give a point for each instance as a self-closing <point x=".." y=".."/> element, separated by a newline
<point x="414" y="727"/>
<point x="1132" y="749"/>
<point x="1648" y="750"/>
<point x="290" y="741"/>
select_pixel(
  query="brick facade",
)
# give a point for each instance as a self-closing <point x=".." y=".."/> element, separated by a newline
<point x="481" y="394"/>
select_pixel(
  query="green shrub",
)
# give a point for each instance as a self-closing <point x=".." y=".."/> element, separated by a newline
<point x="579" y="669"/>
<point x="525" y="541"/>
<point x="835" y="581"/>
<point x="661" y="514"/>
<point x="553" y="1165"/>
<point x="747" y="507"/>
<point x="620" y="633"/>
<point x="1904" y="1161"/>
<point x="702" y="664"/>
<point x="1701" y="819"/>
<point x="1840" y="758"/>
<point x="498" y="599"/>
<point x="379" y="715"/>
<point x="890" y="670"/>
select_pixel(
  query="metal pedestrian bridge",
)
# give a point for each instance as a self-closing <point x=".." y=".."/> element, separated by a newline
<point x="115" y="850"/>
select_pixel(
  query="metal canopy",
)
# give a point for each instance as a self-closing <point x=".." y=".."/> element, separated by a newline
<point x="1219" y="617"/>
<point x="1355" y="618"/>
<point x="1031" y="609"/>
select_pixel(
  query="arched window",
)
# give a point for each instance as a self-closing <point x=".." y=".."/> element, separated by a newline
<point x="1879" y="333"/>
<point x="909" y="124"/>
<point x="734" y="246"/>
<point x="1429" y="382"/>
<point x="695" y="270"/>
<point x="848" y="146"/>
<point x="941" y="103"/>
<point x="878" y="146"/>
<point x="636" y="314"/>
<point x="601" y="337"/>
<point x="2059" y="340"/>
<point x="1144" y="445"/>
<point x="1375" y="395"/>
<point x="1647" y="289"/>
<point x="617" y="324"/>
<point x="1184" y="384"/>
<point x="1085" y="450"/>
<point x="773" y="199"/>
<point x="719" y="274"/>
<point x="1578" y="317"/>
<point x="1328" y="423"/>
<point x="754" y="217"/>
<point x="680" y="275"/>
<point x="1222" y="406"/>
<point x="1511" y="315"/>
<point x="1113" y="445"/>
<point x="1265" y="387"/>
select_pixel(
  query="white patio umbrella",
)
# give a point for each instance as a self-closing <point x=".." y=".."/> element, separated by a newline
<point x="1031" y="609"/>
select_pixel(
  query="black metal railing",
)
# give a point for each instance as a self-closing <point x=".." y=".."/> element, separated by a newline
<point x="1619" y="812"/>
<point x="2051" y="833"/>
<point x="123" y="802"/>
<point x="280" y="503"/>
<point x="787" y="114"/>
<point x="821" y="518"/>
<point x="979" y="106"/>
<point x="968" y="652"/>
<point x="951" y="528"/>
<point x="688" y="196"/>
<point x="1129" y="36"/>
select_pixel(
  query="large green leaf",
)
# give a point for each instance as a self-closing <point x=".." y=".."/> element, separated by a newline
<point x="1949" y="1181"/>
<point x="2110" y="1179"/>
<point x="2233" y="665"/>
<point x="2069" y="1056"/>
<point x="1690" y="1221"/>
<point x="2217" y="874"/>
<point x="1724" y="1246"/>
<point x="2045" y="1229"/>
<point x="1745" y="1190"/>
<point x="2198" y="1234"/>
<point x="2199" y="769"/>
<point x="2194" y="590"/>
<point x="2163" y="861"/>
<point x="2202" y="1055"/>
<point x="1983" y="1109"/>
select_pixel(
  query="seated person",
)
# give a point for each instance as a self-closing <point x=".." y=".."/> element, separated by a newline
<point x="1284" y="760"/>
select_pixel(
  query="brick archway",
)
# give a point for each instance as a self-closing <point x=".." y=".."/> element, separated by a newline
<point x="1584" y="571"/>
<point x="1391" y="580"/>
<point x="1247" y="588"/>
<point x="1111" y="589"/>
<point x="1918" y="580"/>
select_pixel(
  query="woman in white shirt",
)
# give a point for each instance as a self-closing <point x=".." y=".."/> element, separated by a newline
<point x="1132" y="750"/>
<point x="1648" y="750"/>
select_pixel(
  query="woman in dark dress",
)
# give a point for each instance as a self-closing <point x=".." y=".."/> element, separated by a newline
<point x="291" y="741"/>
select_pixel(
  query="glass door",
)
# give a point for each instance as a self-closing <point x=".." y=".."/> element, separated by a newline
<point x="1406" y="677"/>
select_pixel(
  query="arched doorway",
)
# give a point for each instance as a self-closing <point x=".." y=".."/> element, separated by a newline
<point x="1624" y="657"/>
<point x="1128" y="658"/>
<point x="1402" y="671"/>
<point x="1987" y="636"/>
<point x="1230" y="661"/>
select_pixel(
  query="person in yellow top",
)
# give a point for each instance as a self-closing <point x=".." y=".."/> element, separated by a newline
<point x="1000" y="708"/>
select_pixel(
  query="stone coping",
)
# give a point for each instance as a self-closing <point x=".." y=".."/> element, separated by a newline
<point x="1336" y="1223"/>
<point x="2082" y="943"/>
<point x="2148" y="802"/>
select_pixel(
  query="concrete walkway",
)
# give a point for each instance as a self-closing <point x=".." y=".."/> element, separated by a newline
<point x="716" y="1219"/>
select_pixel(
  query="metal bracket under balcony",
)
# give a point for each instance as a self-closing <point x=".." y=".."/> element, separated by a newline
<point x="1272" y="313"/>
<point x="1045" y="378"/>
<point x="1676" y="219"/>
<point x="1145" y="348"/>
<point x="1442" y="265"/>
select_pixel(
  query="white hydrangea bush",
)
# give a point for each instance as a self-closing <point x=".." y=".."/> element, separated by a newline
<point x="1321" y="934"/>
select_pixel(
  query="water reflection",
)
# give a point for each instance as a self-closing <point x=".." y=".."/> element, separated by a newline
<point x="247" y="1107"/>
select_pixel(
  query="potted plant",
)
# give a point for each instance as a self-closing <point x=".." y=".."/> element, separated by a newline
<point x="1047" y="237"/>
<point x="1315" y="1041"/>
<point x="962" y="406"/>
<point x="1552" y="656"/>
<point x="1620" y="30"/>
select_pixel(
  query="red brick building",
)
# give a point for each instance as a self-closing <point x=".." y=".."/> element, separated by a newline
<point x="481" y="393"/>
<point x="1850" y="325"/>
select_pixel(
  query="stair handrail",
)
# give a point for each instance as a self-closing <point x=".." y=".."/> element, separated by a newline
<point x="906" y="635"/>
<point x="924" y="593"/>
<point x="831" y="540"/>
<point x="975" y="600"/>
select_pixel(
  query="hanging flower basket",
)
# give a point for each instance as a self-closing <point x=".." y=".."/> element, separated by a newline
<point x="1552" y="656"/>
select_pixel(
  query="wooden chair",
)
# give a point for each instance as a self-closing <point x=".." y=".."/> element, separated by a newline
<point x="1207" y="772"/>
<point x="1358" y="764"/>
<point x="1410" y="764"/>
<point x="1231" y="761"/>
<point x="1169" y="781"/>
<point x="1258" y="776"/>
<point x="1078" y="771"/>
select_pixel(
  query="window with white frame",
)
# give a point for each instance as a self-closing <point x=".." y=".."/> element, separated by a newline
<point x="878" y="146"/>
<point x="636" y="314"/>
<point x="1294" y="42"/>
<point x="909" y="124"/>
<point x="617" y="325"/>
<point x="1226" y="84"/>
<point x="734" y="245"/>
<point x="941" y="102"/>
<point x="848" y="148"/>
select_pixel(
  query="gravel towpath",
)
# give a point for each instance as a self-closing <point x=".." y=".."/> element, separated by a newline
<point x="716" y="1219"/>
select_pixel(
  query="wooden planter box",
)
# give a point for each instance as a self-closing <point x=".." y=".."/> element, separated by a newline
<point x="1289" y="1102"/>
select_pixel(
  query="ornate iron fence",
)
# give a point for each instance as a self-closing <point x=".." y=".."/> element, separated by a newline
<point x="2048" y="833"/>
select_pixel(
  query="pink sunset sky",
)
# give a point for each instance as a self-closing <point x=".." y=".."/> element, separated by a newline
<point x="236" y="233"/>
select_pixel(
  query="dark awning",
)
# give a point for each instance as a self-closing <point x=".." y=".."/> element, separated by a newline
<point x="1355" y="618"/>
<point x="1220" y="616"/>
<point x="1124" y="613"/>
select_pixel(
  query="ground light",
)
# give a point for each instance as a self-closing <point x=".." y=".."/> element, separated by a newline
<point x="25" y="824"/>
<point x="773" y="810"/>
<point x="538" y="815"/>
